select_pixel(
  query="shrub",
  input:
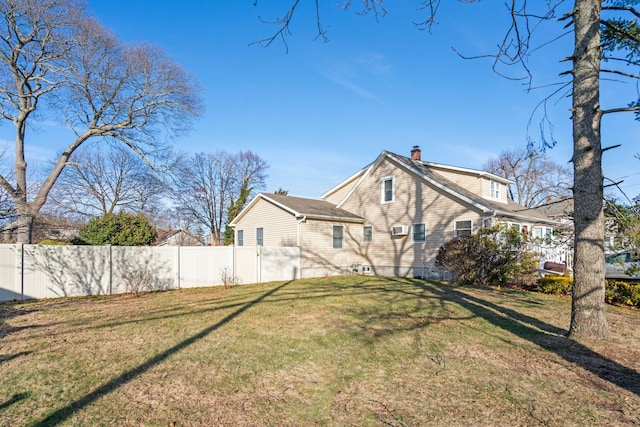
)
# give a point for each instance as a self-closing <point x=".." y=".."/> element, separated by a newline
<point x="121" y="229"/>
<point x="228" y="279"/>
<point x="493" y="255"/>
<point x="140" y="279"/>
<point x="457" y="257"/>
<point x="53" y="242"/>
<point x="555" y="285"/>
<point x="618" y="292"/>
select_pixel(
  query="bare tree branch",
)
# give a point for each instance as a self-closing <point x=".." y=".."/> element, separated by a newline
<point x="95" y="85"/>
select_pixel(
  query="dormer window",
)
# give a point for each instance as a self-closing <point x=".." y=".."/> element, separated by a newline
<point x="387" y="190"/>
<point x="495" y="189"/>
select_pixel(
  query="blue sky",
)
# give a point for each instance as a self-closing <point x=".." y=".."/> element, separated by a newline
<point x="322" y="111"/>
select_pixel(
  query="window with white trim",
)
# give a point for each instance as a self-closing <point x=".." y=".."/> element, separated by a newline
<point x="543" y="234"/>
<point x="419" y="233"/>
<point x="462" y="228"/>
<point x="495" y="189"/>
<point x="259" y="236"/>
<point x="387" y="190"/>
<point x="367" y="234"/>
<point x="240" y="238"/>
<point x="338" y="237"/>
<point x="515" y="226"/>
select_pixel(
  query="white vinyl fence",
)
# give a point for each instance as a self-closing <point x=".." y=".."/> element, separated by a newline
<point x="39" y="271"/>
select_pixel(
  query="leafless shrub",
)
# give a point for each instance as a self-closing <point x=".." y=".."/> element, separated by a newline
<point x="227" y="277"/>
<point x="143" y="279"/>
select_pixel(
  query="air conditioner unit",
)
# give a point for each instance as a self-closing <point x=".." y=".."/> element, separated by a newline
<point x="399" y="230"/>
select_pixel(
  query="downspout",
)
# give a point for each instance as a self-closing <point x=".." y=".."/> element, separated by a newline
<point x="493" y="215"/>
<point x="300" y="221"/>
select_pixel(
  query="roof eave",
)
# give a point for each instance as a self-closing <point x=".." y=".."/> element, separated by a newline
<point x="333" y="218"/>
<point x="472" y="171"/>
<point x="344" y="182"/>
<point x="527" y="217"/>
<point x="255" y="200"/>
<point x="444" y="188"/>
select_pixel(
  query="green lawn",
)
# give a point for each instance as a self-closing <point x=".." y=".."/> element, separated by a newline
<point x="349" y="351"/>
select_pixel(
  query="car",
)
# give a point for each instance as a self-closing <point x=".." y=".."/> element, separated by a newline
<point x="622" y="266"/>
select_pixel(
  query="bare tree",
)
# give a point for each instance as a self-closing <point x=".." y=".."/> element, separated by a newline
<point x="537" y="179"/>
<point x="209" y="185"/>
<point x="100" y="181"/>
<point x="619" y="46"/>
<point x="55" y="61"/>
<point x="251" y="170"/>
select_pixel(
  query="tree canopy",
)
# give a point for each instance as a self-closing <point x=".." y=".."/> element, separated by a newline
<point x="212" y="188"/>
<point x="536" y="178"/>
<point x="58" y="63"/>
<point x="121" y="229"/>
<point x="103" y="180"/>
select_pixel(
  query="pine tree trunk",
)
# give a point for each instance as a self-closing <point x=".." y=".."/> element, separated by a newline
<point x="588" y="317"/>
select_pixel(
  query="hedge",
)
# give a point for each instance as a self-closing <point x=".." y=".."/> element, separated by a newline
<point x="616" y="292"/>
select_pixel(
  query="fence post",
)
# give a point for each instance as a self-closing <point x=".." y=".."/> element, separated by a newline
<point x="233" y="260"/>
<point x="22" y="271"/>
<point x="110" y="271"/>
<point x="178" y="267"/>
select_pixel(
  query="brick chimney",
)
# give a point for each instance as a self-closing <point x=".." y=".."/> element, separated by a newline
<point x="416" y="153"/>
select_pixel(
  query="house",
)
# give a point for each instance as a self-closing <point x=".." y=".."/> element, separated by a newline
<point x="175" y="238"/>
<point x="561" y="209"/>
<point x="389" y="218"/>
<point x="45" y="227"/>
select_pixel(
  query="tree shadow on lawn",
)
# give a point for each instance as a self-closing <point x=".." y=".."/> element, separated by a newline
<point x="543" y="334"/>
<point x="64" y="413"/>
<point x="14" y="399"/>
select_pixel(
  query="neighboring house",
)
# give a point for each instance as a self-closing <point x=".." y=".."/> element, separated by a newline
<point x="561" y="209"/>
<point x="389" y="218"/>
<point x="175" y="238"/>
<point x="45" y="227"/>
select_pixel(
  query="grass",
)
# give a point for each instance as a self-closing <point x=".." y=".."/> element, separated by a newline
<point x="337" y="352"/>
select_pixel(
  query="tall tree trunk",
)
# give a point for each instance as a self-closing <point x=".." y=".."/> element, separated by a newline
<point x="588" y="317"/>
<point x="24" y="230"/>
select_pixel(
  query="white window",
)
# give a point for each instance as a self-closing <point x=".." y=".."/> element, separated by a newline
<point x="259" y="236"/>
<point x="387" y="190"/>
<point x="543" y="234"/>
<point x="538" y="232"/>
<point x="462" y="228"/>
<point x="367" y="234"/>
<point x="515" y="226"/>
<point x="338" y="237"/>
<point x="486" y="222"/>
<point x="240" y="238"/>
<point x="495" y="189"/>
<point x="419" y="233"/>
